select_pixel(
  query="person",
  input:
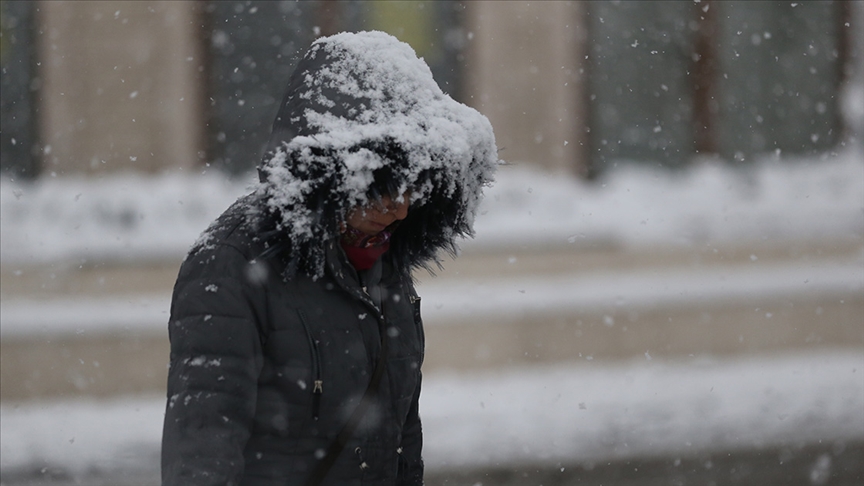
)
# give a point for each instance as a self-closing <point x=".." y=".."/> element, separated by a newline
<point x="295" y="328"/>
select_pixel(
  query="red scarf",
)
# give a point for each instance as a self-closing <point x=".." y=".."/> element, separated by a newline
<point x="363" y="250"/>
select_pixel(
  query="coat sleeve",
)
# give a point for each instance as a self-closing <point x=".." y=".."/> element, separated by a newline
<point x="411" y="460"/>
<point x="216" y="359"/>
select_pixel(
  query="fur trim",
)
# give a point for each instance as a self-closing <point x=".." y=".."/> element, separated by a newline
<point x="362" y="117"/>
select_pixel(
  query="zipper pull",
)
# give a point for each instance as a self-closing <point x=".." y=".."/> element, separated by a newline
<point x="363" y="464"/>
<point x="317" y="390"/>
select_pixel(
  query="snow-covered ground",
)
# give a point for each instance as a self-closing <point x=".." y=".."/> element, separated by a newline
<point x="554" y="414"/>
<point x="560" y="415"/>
<point x="646" y="408"/>
<point x="129" y="217"/>
<point x="459" y="299"/>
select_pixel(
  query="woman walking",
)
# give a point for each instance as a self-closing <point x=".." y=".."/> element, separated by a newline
<point x="296" y="337"/>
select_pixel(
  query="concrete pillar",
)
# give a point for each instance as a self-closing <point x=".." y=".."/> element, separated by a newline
<point x="524" y="66"/>
<point x="852" y="92"/>
<point x="121" y="85"/>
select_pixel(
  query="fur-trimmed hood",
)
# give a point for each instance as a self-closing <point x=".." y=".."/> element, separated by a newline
<point x="362" y="117"/>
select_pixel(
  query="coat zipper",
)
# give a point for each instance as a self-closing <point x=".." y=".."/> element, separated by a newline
<point x="318" y="383"/>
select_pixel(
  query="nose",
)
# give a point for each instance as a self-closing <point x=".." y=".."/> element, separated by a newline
<point x="395" y="208"/>
<point x="400" y="209"/>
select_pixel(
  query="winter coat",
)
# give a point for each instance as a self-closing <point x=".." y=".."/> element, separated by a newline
<point x="264" y="372"/>
<point x="274" y="334"/>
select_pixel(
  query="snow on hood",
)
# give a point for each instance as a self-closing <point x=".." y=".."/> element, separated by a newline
<point x="363" y="117"/>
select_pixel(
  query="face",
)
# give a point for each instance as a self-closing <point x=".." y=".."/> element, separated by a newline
<point x="373" y="218"/>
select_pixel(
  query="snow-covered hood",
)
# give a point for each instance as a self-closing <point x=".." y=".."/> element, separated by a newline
<point x="362" y="113"/>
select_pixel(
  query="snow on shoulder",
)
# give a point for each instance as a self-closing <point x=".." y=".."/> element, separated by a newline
<point x="361" y="110"/>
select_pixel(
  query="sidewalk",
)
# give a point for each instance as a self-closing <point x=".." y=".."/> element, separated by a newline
<point x="558" y="365"/>
<point x="100" y="331"/>
<point x="798" y="466"/>
<point x="774" y="419"/>
<point x="515" y="307"/>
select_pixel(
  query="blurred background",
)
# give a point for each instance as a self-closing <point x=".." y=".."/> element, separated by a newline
<point x="667" y="282"/>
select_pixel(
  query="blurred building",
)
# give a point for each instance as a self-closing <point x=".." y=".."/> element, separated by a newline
<point x="89" y="88"/>
<point x="94" y="86"/>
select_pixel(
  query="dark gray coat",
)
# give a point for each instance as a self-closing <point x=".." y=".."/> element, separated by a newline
<point x="273" y="337"/>
<point x="265" y="372"/>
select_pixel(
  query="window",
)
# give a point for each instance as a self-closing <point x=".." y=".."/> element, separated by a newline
<point x="17" y="83"/>
<point x="672" y="79"/>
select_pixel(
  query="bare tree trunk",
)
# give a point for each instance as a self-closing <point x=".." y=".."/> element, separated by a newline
<point x="843" y="13"/>
<point x="704" y="76"/>
<point x="329" y="17"/>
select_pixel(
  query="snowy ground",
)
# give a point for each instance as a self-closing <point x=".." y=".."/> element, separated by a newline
<point x="555" y="415"/>
<point x="127" y="217"/>
<point x="446" y="301"/>
<point x="562" y="414"/>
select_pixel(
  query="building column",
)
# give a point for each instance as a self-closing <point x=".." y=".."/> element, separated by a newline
<point x="122" y="85"/>
<point x="524" y="71"/>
